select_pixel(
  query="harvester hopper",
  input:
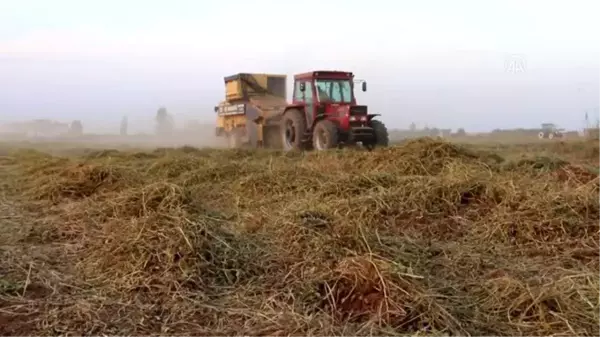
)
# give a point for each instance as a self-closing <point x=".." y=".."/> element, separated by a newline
<point x="251" y="101"/>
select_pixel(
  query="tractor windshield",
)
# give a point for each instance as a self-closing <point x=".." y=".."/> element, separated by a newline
<point x="334" y="91"/>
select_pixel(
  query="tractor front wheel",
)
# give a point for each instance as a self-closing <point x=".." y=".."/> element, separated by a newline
<point x="381" y="135"/>
<point x="293" y="126"/>
<point x="325" y="135"/>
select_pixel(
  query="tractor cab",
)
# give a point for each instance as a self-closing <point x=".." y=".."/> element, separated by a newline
<point x="327" y="87"/>
<point x="330" y="94"/>
<point x="324" y="113"/>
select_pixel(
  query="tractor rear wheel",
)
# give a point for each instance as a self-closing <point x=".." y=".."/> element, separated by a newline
<point x="541" y="135"/>
<point x="325" y="135"/>
<point x="293" y="126"/>
<point x="380" y="132"/>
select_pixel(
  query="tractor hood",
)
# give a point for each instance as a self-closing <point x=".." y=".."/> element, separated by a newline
<point x="344" y="109"/>
<point x="345" y="112"/>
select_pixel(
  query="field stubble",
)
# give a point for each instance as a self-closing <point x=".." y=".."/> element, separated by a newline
<point x="424" y="237"/>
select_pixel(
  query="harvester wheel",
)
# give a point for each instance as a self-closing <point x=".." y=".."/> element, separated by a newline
<point x="234" y="139"/>
<point x="293" y="126"/>
<point x="325" y="135"/>
<point x="382" y="138"/>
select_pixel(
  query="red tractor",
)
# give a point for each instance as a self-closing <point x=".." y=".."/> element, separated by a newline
<point x="324" y="114"/>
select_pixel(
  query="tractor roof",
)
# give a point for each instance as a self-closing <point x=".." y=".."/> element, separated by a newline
<point x="324" y="73"/>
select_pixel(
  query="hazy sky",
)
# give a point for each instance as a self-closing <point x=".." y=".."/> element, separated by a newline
<point x="441" y="63"/>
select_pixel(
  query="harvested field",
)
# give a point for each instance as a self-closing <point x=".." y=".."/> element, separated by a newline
<point x="426" y="237"/>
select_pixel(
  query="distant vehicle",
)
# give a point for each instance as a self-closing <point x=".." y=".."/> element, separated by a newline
<point x="550" y="131"/>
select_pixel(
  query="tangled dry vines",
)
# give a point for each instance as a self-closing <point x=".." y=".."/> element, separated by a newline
<point x="424" y="237"/>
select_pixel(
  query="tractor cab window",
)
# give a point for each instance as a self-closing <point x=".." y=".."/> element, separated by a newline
<point x="334" y="91"/>
<point x="308" y="92"/>
<point x="306" y="95"/>
<point x="298" y="94"/>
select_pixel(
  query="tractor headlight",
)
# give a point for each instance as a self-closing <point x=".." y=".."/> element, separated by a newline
<point x="358" y="118"/>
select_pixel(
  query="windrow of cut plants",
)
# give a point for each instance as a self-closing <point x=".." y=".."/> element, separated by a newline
<point x="424" y="237"/>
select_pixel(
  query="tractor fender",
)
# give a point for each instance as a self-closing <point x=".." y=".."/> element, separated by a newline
<point x="293" y="106"/>
<point x="317" y="119"/>
<point x="299" y="107"/>
<point x="277" y="116"/>
<point x="371" y="116"/>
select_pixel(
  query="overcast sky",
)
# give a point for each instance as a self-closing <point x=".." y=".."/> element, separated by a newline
<point x="473" y="64"/>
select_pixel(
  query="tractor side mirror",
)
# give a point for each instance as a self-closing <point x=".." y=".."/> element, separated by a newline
<point x="364" y="86"/>
<point x="302" y="86"/>
<point x="216" y="109"/>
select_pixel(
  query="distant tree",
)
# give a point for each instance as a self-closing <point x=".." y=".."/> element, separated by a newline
<point x="76" y="128"/>
<point x="164" y="122"/>
<point x="124" y="124"/>
<point x="412" y="127"/>
<point x="461" y="132"/>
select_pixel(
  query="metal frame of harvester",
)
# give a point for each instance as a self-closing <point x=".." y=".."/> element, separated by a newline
<point x="323" y="113"/>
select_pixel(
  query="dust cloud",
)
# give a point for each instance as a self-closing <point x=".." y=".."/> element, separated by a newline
<point x="50" y="133"/>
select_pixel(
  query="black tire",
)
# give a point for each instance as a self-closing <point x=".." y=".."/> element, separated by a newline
<point x="380" y="132"/>
<point x="293" y="127"/>
<point x="325" y="135"/>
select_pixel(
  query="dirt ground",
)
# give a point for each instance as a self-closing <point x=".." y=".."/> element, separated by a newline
<point x="425" y="237"/>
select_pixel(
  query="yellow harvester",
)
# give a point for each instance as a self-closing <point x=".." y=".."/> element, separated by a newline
<point x="243" y="117"/>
